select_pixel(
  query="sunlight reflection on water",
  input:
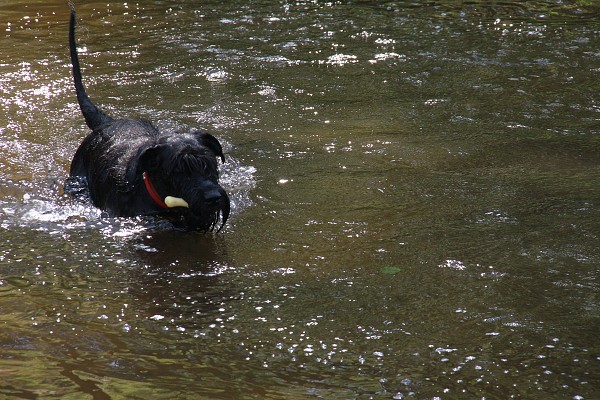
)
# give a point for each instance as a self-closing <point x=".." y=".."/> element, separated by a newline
<point x="414" y="190"/>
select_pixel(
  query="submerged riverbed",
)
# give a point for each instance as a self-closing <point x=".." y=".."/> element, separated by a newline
<point x="415" y="203"/>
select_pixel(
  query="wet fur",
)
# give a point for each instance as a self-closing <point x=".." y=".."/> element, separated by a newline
<point x="111" y="161"/>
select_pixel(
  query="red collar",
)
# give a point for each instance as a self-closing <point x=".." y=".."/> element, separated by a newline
<point x="152" y="192"/>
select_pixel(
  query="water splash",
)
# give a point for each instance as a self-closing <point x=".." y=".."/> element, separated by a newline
<point x="56" y="213"/>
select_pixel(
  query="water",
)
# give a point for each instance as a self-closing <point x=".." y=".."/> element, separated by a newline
<point x="415" y="191"/>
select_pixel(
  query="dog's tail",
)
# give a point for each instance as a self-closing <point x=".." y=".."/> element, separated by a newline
<point x="94" y="117"/>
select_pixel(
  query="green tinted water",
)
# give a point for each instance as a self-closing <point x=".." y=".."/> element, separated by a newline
<point x="415" y="192"/>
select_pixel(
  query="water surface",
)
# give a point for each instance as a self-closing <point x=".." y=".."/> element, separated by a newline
<point x="415" y="192"/>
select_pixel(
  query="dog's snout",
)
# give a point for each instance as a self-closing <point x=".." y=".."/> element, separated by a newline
<point x="212" y="196"/>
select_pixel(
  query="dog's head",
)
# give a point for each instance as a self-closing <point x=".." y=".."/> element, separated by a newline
<point x="182" y="172"/>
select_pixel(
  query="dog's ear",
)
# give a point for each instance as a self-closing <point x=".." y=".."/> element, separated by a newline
<point x="147" y="158"/>
<point x="211" y="142"/>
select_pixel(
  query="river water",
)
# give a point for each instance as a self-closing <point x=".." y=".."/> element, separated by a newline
<point x="415" y="189"/>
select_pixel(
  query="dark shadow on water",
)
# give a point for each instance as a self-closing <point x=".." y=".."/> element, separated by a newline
<point x="180" y="277"/>
<point x="182" y="250"/>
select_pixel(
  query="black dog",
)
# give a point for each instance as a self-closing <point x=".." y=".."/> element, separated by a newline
<point x="131" y="168"/>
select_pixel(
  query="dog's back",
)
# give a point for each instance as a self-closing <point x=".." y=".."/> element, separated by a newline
<point x="113" y="143"/>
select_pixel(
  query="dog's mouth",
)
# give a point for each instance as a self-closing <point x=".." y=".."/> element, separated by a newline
<point x="210" y="217"/>
<point x="203" y="216"/>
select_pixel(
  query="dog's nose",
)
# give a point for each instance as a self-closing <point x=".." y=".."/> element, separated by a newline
<point x="212" y="196"/>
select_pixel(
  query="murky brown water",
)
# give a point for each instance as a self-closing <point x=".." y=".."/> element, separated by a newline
<point x="416" y="191"/>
